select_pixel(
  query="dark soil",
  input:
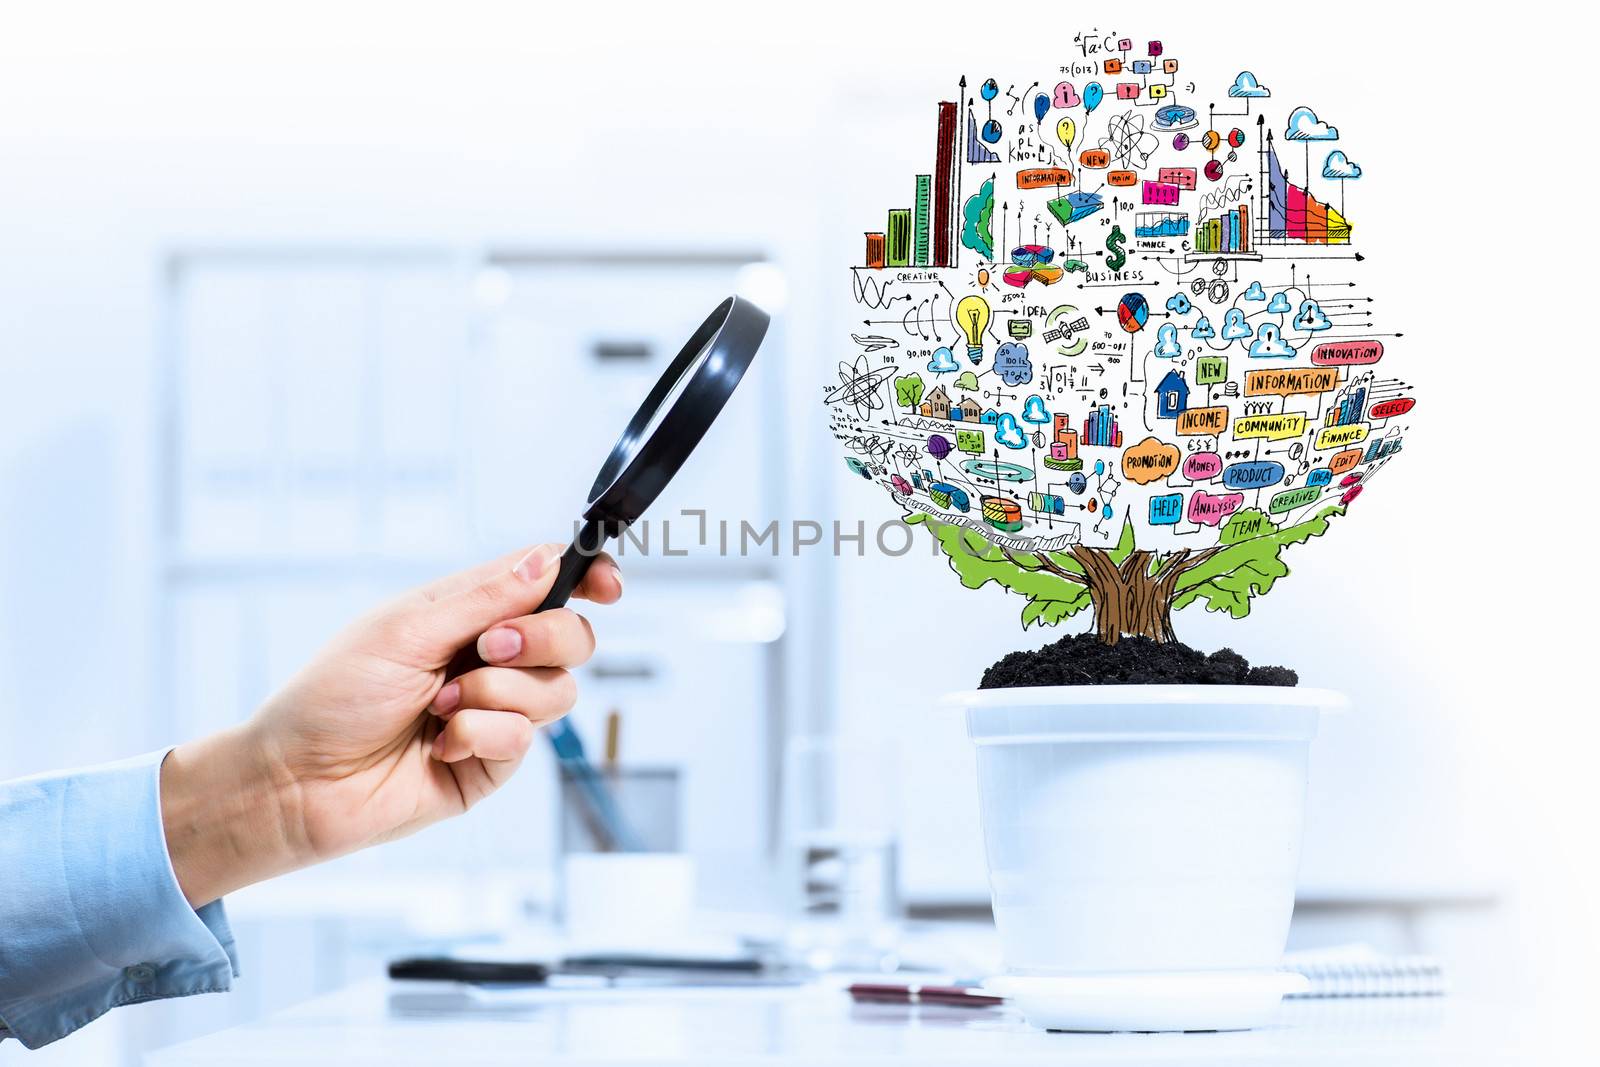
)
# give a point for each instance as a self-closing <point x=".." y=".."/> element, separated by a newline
<point x="1082" y="659"/>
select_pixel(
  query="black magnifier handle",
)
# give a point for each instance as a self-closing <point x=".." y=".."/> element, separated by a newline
<point x="575" y="563"/>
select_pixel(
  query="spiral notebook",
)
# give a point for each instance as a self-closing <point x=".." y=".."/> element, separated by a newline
<point x="1362" y="971"/>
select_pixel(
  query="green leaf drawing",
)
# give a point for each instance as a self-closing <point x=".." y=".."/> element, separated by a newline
<point x="977" y="562"/>
<point x="1225" y="578"/>
<point x="1247" y="568"/>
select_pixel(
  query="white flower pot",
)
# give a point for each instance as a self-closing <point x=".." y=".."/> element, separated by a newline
<point x="1142" y="845"/>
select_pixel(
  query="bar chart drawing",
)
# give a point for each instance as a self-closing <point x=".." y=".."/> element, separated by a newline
<point x="1100" y="429"/>
<point x="1229" y="233"/>
<point x="1350" y="407"/>
<point x="920" y="223"/>
<point x="875" y="251"/>
<point x="944" y="181"/>
<point x="924" y="235"/>
<point x="897" y="246"/>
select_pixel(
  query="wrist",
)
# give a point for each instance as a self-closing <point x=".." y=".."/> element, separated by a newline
<point x="228" y="815"/>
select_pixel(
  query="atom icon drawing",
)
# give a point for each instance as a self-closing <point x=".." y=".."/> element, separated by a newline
<point x="858" y="386"/>
<point x="1128" y="141"/>
<point x="871" y="446"/>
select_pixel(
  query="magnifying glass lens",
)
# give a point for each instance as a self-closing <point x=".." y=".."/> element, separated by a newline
<point x="668" y="401"/>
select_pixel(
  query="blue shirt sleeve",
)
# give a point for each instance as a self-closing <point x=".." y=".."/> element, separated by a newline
<point x="91" y="916"/>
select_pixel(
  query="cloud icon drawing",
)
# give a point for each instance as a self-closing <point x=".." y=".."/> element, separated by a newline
<point x="1202" y="330"/>
<point x="1234" y="328"/>
<point x="1034" y="410"/>
<point x="1247" y="85"/>
<point x="1167" y="346"/>
<point x="1280" y="303"/>
<point x="1269" y="344"/>
<point x="943" y="362"/>
<point x="1012" y="364"/>
<point x="1178" y="304"/>
<point x="1311" y="319"/>
<point x="1338" y="165"/>
<point x="1305" y="126"/>
<point x="1008" y="433"/>
<point x="1255" y="292"/>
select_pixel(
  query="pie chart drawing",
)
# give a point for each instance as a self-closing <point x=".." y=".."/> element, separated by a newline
<point x="1133" y="311"/>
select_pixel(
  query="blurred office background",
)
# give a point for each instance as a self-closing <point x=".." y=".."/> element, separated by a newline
<point x="300" y="307"/>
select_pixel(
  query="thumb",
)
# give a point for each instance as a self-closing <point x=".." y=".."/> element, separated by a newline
<point x="452" y="622"/>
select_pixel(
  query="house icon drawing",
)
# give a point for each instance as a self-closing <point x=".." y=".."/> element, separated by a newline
<point x="1172" y="396"/>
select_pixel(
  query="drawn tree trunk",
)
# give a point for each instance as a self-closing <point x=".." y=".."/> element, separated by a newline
<point x="1135" y="598"/>
<point x="1131" y="591"/>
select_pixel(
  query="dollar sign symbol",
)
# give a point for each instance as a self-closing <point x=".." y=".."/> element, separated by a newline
<point x="1114" y="243"/>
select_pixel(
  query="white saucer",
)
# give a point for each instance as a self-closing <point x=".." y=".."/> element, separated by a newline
<point x="1194" y="1000"/>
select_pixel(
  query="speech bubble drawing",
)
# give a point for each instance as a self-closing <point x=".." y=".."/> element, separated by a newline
<point x="1343" y="461"/>
<point x="1202" y="466"/>
<point x="1287" y="381"/>
<point x="1290" y="499"/>
<point x="1166" y="509"/>
<point x="1256" y="474"/>
<point x="1269" y="427"/>
<point x="1149" y="461"/>
<point x="1245" y="525"/>
<point x="1209" y="510"/>
<point x="1043" y="177"/>
<point x="1338" y="436"/>
<point x="1208" y="421"/>
<point x="1347" y="353"/>
<point x="1388" y="409"/>
<point x="1210" y="370"/>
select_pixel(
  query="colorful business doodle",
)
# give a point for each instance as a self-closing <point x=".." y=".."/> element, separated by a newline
<point x="1115" y="352"/>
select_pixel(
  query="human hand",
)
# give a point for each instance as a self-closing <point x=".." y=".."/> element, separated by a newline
<point x="371" y="741"/>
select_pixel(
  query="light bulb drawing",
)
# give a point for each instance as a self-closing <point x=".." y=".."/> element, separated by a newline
<point x="972" y="319"/>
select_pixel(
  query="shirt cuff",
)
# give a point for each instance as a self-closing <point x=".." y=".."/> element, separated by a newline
<point x="92" y="914"/>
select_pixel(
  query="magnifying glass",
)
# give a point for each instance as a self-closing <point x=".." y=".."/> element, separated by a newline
<point x="660" y="437"/>
<point x="663" y="433"/>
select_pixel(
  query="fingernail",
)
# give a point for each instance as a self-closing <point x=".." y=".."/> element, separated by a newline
<point x="499" y="644"/>
<point x="616" y="572"/>
<point x="438" y="745"/>
<point x="448" y="699"/>
<point x="535" y="563"/>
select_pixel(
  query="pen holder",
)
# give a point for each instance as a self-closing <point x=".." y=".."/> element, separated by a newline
<point x="614" y="898"/>
<point x="646" y="801"/>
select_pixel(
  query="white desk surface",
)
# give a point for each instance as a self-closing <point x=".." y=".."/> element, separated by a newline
<point x="396" y="1024"/>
